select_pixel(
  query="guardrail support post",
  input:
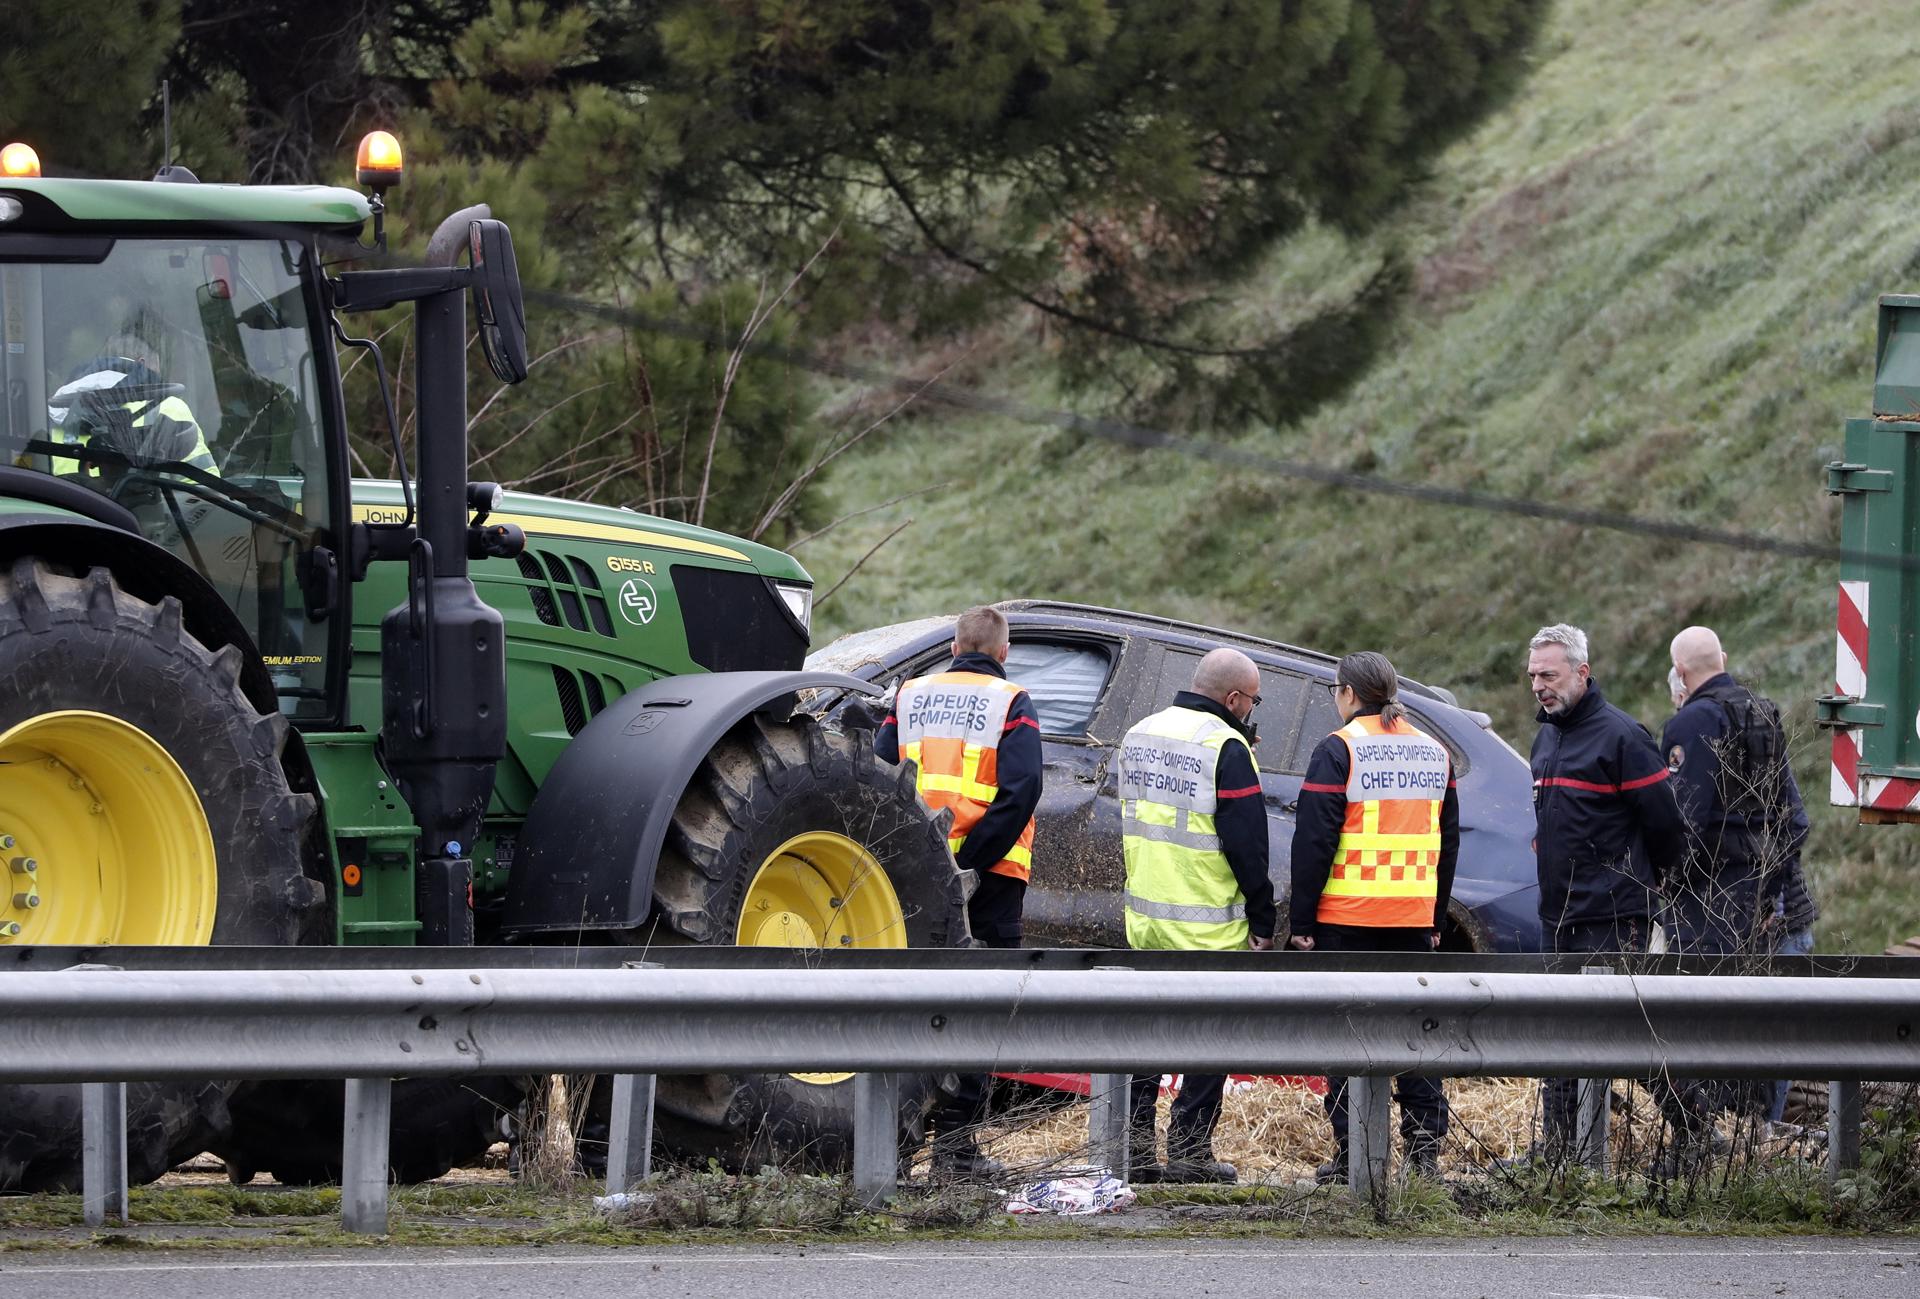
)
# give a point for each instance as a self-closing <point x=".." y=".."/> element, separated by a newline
<point x="1369" y="1136"/>
<point x="1109" y="1109"/>
<point x="630" y="1139"/>
<point x="363" y="1157"/>
<point x="1593" y="1109"/>
<point x="876" y="1137"/>
<point x="1591" y="1121"/>
<point x="1843" y="1127"/>
<point x="103" y="1152"/>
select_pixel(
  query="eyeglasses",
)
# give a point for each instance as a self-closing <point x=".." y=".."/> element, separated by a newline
<point x="1244" y="695"/>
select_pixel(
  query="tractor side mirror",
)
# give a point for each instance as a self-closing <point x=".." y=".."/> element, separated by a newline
<point x="496" y="299"/>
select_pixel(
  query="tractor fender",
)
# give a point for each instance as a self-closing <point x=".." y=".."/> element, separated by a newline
<point x="143" y="569"/>
<point x="586" y="855"/>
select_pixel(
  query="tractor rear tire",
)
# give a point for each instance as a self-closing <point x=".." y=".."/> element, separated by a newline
<point x="78" y="651"/>
<point x="776" y="842"/>
<point x="293" y="1130"/>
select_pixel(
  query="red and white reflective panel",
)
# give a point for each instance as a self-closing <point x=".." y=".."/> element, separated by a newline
<point x="1849" y="678"/>
<point x="1850" y="788"/>
<point x="1888" y="792"/>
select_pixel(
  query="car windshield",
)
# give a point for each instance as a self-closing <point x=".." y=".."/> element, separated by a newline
<point x="176" y="377"/>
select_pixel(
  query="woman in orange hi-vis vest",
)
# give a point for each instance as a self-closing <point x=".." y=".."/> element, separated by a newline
<point x="1374" y="846"/>
<point x="975" y="739"/>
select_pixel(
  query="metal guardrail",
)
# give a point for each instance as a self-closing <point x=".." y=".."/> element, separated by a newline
<point x="25" y="960"/>
<point x="368" y="1026"/>
<point x="90" y="1025"/>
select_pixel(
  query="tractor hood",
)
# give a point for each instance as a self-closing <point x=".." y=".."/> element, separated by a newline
<point x="547" y="516"/>
<point x="601" y="602"/>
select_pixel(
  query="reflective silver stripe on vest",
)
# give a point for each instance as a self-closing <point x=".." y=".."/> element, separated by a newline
<point x="1185" y="914"/>
<point x="1177" y="833"/>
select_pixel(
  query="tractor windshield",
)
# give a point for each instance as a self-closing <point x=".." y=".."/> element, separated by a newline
<point x="177" y="378"/>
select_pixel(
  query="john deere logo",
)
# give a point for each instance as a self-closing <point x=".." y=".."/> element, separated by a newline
<point x="638" y="603"/>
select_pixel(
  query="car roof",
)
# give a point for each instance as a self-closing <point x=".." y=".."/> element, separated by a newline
<point x="873" y="646"/>
<point x="1053" y="612"/>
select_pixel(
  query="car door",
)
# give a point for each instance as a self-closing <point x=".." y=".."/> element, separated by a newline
<point x="1082" y="686"/>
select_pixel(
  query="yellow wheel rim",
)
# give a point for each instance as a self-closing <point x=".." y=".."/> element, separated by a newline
<point x="821" y="890"/>
<point x="108" y="840"/>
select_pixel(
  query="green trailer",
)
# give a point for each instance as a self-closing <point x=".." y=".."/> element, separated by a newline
<point x="1873" y="709"/>
<point x="246" y="698"/>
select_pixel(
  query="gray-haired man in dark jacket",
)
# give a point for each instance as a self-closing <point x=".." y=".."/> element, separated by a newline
<point x="1608" y="832"/>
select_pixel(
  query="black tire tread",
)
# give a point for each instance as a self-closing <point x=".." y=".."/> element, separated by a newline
<point x="737" y="807"/>
<point x="80" y="640"/>
<point x="292" y="1129"/>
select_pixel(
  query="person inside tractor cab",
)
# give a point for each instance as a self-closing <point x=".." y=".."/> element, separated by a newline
<point x="121" y="401"/>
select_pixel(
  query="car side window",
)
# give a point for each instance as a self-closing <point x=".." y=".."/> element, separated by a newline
<point x="1323" y="719"/>
<point x="1065" y="678"/>
<point x="1176" y="674"/>
<point x="1439" y="732"/>
<point x="1277" y="714"/>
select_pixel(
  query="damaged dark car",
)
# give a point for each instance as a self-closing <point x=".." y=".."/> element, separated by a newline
<point x="1094" y="672"/>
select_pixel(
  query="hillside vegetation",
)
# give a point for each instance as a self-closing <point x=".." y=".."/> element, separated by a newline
<point x="1645" y="286"/>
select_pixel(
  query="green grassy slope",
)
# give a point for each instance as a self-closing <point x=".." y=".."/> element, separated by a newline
<point x="1645" y="286"/>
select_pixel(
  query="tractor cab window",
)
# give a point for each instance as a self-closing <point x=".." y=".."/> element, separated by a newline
<point x="176" y="378"/>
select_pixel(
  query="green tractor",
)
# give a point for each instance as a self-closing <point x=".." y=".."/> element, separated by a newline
<point x="247" y="699"/>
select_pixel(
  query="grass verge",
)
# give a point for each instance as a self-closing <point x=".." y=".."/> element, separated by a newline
<point x="718" y="1208"/>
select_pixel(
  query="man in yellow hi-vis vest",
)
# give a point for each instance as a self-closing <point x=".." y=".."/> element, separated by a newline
<point x="120" y="402"/>
<point x="1195" y="832"/>
<point x="975" y="738"/>
<point x="1375" y="838"/>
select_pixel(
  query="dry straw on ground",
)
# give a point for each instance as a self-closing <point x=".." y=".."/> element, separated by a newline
<point x="1278" y="1132"/>
<point x="555" y="1113"/>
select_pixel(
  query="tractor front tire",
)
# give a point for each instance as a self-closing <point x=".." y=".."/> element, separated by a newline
<point x="151" y="794"/>
<point x="791" y="835"/>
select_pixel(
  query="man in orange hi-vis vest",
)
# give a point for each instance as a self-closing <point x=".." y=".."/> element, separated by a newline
<point x="1375" y="840"/>
<point x="975" y="739"/>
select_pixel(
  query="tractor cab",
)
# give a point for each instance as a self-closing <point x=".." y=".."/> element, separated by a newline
<point x="167" y="380"/>
<point x="171" y="377"/>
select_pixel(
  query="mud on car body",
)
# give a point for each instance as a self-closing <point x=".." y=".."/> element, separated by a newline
<point x="1094" y="672"/>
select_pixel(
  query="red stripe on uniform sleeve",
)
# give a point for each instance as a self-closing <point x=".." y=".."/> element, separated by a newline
<point x="1310" y="788"/>
<point x="1248" y="792"/>
<point x="1595" y="787"/>
<point x="1568" y="782"/>
<point x="890" y="721"/>
<point x="1019" y="721"/>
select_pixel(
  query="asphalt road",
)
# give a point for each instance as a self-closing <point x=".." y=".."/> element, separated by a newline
<point x="1694" y="1268"/>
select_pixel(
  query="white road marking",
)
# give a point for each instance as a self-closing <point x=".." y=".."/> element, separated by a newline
<point x="625" y="1256"/>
